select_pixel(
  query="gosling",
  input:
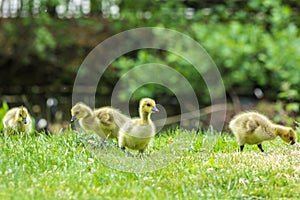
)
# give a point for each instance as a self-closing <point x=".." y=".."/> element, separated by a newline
<point x="137" y="133"/>
<point x="86" y="118"/>
<point x="17" y="120"/>
<point x="254" y="128"/>
<point x="105" y="121"/>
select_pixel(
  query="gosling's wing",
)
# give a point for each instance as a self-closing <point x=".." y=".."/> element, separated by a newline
<point x="258" y="123"/>
<point x="127" y="127"/>
<point x="251" y="125"/>
<point x="8" y="119"/>
<point x="104" y="115"/>
<point x="244" y="123"/>
<point x="135" y="128"/>
<point x="134" y="135"/>
<point x="110" y="116"/>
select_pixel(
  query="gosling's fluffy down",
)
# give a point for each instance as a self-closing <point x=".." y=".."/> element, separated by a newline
<point x="254" y="128"/>
<point x="111" y="120"/>
<point x="86" y="118"/>
<point x="137" y="133"/>
<point x="104" y="121"/>
<point x="17" y="120"/>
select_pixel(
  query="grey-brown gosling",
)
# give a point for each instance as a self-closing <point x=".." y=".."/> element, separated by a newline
<point x="86" y="118"/>
<point x="254" y="128"/>
<point x="137" y="133"/>
<point x="105" y="121"/>
<point x="111" y="120"/>
<point x="17" y="119"/>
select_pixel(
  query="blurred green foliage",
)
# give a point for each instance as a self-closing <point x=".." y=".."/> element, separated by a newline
<point x="3" y="111"/>
<point x="253" y="43"/>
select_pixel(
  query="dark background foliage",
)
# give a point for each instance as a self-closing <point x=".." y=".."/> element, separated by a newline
<point x="255" y="45"/>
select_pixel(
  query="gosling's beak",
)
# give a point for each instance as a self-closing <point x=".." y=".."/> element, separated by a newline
<point x="73" y="119"/>
<point x="154" y="109"/>
<point x="293" y="142"/>
<point x="24" y="120"/>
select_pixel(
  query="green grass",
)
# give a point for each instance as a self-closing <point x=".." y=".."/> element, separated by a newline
<point x="73" y="166"/>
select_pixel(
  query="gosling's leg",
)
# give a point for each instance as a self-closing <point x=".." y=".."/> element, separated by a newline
<point x="242" y="147"/>
<point x="127" y="152"/>
<point x="103" y="143"/>
<point x="260" y="147"/>
<point x="141" y="154"/>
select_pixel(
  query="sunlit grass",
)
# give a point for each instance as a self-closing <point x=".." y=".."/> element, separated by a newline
<point x="75" y="166"/>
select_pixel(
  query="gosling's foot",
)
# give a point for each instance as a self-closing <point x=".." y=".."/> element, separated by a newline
<point x="140" y="156"/>
<point x="98" y="144"/>
<point x="128" y="154"/>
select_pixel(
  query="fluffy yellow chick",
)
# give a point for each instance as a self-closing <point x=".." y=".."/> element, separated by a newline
<point x="87" y="119"/>
<point x="137" y="133"/>
<point x="17" y="119"/>
<point x="110" y="120"/>
<point x="254" y="128"/>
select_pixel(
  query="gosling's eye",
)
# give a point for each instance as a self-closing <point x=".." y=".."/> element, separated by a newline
<point x="291" y="138"/>
<point x="20" y="115"/>
<point x="148" y="104"/>
<point x="76" y="113"/>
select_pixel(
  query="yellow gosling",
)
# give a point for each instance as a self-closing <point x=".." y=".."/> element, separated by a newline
<point x="254" y="128"/>
<point x="137" y="133"/>
<point x="17" y="120"/>
<point x="86" y="118"/>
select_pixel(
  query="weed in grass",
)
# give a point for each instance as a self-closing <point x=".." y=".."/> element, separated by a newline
<point x="3" y="111"/>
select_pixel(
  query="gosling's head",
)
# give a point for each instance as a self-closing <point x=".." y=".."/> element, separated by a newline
<point x="21" y="115"/>
<point x="148" y="105"/>
<point x="78" y="111"/>
<point x="288" y="135"/>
